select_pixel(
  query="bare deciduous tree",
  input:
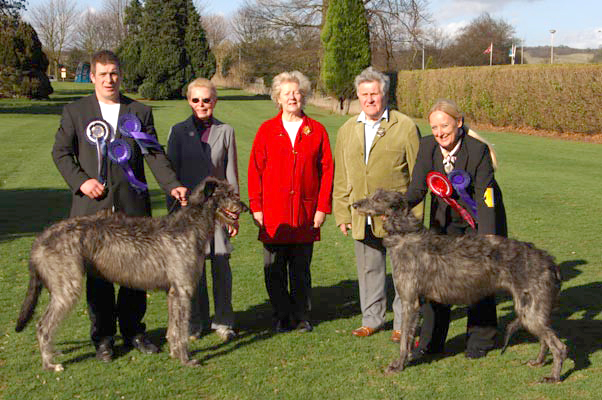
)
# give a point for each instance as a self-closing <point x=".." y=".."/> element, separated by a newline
<point x="217" y="28"/>
<point x="54" y="21"/>
<point x="96" y="31"/>
<point x="394" y="24"/>
<point x="115" y="9"/>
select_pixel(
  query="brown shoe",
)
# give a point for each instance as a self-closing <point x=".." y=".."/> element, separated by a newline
<point x="364" y="331"/>
<point x="396" y="336"/>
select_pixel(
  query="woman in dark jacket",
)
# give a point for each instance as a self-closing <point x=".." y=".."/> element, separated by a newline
<point x="451" y="149"/>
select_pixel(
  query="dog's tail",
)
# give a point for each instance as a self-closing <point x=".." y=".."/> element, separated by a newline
<point x="31" y="298"/>
<point x="510" y="329"/>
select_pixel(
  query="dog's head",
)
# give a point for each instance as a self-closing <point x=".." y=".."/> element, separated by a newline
<point x="393" y="208"/>
<point x="227" y="202"/>
<point x="381" y="203"/>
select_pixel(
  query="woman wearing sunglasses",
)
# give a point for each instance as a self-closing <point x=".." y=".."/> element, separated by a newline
<point x="290" y="193"/>
<point x="199" y="147"/>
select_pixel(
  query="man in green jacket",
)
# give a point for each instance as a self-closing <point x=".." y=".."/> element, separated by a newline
<point x="376" y="149"/>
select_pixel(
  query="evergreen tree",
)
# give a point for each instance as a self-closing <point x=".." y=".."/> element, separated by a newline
<point x="346" y="48"/>
<point x="12" y="8"/>
<point x="200" y="58"/>
<point x="22" y="63"/>
<point x="163" y="55"/>
<point x="131" y="47"/>
<point x="166" y="47"/>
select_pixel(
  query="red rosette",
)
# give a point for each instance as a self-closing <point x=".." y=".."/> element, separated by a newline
<point x="439" y="184"/>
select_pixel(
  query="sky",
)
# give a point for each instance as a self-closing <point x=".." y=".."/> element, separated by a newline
<point x="578" y="23"/>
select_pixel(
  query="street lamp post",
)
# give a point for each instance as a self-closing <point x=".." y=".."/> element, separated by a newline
<point x="552" y="32"/>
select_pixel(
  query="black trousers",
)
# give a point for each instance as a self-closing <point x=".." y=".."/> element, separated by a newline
<point x="288" y="265"/>
<point x="481" y="327"/>
<point x="104" y="311"/>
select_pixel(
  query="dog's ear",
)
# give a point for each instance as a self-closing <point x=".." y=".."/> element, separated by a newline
<point x="203" y="191"/>
<point x="209" y="188"/>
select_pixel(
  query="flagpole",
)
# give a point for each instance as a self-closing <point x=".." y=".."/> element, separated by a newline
<point x="491" y="55"/>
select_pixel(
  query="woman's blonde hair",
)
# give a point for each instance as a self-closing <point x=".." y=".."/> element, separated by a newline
<point x="294" y="76"/>
<point x="201" y="82"/>
<point x="451" y="108"/>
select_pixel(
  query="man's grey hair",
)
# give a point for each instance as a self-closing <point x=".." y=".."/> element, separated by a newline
<point x="372" y="75"/>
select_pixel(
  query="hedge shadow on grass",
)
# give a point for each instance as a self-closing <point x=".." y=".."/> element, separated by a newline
<point x="242" y="97"/>
<point x="26" y="212"/>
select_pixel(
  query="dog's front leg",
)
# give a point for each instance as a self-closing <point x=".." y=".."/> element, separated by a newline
<point x="171" y="319"/>
<point x="409" y="316"/>
<point x="183" y="322"/>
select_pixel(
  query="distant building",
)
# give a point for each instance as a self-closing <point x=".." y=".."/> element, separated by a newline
<point x="82" y="74"/>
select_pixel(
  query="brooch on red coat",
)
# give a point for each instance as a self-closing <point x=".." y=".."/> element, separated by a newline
<point x="306" y="130"/>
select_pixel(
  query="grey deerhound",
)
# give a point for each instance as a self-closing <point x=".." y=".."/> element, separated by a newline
<point x="464" y="269"/>
<point x="165" y="253"/>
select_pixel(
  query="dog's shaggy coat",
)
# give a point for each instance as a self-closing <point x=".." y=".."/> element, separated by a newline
<point x="463" y="270"/>
<point x="165" y="253"/>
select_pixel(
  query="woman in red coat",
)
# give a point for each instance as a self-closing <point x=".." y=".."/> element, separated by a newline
<point x="290" y="192"/>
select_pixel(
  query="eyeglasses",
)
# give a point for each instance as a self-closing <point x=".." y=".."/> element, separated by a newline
<point x="196" y="100"/>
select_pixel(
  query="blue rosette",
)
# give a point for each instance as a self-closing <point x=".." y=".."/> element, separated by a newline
<point x="120" y="153"/>
<point x="460" y="180"/>
<point x="130" y="126"/>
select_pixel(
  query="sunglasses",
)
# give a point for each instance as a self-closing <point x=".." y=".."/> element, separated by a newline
<point x="196" y="100"/>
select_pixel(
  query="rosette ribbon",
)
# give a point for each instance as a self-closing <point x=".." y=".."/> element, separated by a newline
<point x="120" y="153"/>
<point x="98" y="133"/>
<point x="442" y="187"/>
<point x="129" y="125"/>
<point x="460" y="181"/>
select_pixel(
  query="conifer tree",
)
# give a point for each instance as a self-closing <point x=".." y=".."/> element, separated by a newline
<point x="23" y="64"/>
<point x="131" y="47"/>
<point x="346" y="48"/>
<point x="165" y="49"/>
<point x="200" y="58"/>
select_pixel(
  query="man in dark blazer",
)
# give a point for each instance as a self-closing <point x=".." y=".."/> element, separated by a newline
<point x="95" y="188"/>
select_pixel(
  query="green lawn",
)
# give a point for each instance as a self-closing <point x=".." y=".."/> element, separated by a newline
<point x="552" y="190"/>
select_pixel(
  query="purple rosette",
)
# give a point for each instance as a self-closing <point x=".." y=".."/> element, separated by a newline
<point x="98" y="133"/>
<point x="129" y="125"/>
<point x="460" y="180"/>
<point x="120" y="153"/>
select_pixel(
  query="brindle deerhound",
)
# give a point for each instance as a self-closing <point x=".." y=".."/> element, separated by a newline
<point x="463" y="270"/>
<point x="165" y="253"/>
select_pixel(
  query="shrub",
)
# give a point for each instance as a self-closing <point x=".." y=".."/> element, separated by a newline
<point x="22" y="62"/>
<point x="563" y="98"/>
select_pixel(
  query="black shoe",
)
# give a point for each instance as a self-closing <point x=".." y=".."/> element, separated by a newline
<point x="304" y="326"/>
<point x="475" y="353"/>
<point x="419" y="353"/>
<point x="142" y="343"/>
<point x="282" y="325"/>
<point x="104" y="352"/>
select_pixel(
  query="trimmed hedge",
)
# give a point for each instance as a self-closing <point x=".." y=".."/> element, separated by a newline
<point x="562" y="98"/>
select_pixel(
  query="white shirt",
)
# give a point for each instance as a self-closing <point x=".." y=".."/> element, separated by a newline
<point x="110" y="113"/>
<point x="370" y="130"/>
<point x="292" y="127"/>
